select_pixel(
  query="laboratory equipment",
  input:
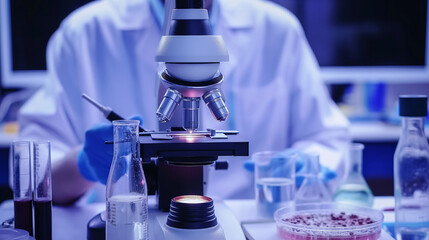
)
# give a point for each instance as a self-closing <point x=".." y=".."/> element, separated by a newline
<point x="127" y="210"/>
<point x="354" y="189"/>
<point x="14" y="234"/>
<point x="22" y="190"/>
<point x="42" y="198"/>
<point x="411" y="168"/>
<point x="312" y="189"/>
<point x="328" y="221"/>
<point x="192" y="56"/>
<point x="192" y="217"/>
<point x="107" y="111"/>
<point x="274" y="181"/>
<point x="174" y="159"/>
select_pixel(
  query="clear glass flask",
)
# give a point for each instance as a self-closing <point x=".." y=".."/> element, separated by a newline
<point x="126" y="186"/>
<point x="312" y="188"/>
<point x="411" y="171"/>
<point x="354" y="189"/>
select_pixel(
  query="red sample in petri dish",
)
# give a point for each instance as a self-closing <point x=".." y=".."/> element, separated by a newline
<point x="328" y="221"/>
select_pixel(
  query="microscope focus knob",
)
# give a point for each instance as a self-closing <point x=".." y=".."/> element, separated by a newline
<point x="221" y="165"/>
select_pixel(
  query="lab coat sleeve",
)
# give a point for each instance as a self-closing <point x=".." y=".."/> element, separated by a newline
<point x="46" y="115"/>
<point x="317" y="124"/>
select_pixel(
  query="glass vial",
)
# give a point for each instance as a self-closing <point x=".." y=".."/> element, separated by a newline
<point x="411" y="171"/>
<point x="126" y="186"/>
<point x="354" y="189"/>
<point x="22" y="192"/>
<point x="312" y="188"/>
<point x="42" y="190"/>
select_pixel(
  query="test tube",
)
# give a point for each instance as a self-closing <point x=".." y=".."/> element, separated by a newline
<point x="22" y="194"/>
<point x="42" y="190"/>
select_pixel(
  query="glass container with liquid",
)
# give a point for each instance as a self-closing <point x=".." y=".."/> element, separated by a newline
<point x="411" y="171"/>
<point x="354" y="189"/>
<point x="312" y="189"/>
<point x="22" y="190"/>
<point x="42" y="190"/>
<point x="127" y="210"/>
<point x="274" y="181"/>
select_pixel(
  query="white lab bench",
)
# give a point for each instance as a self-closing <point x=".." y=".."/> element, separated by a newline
<point x="69" y="223"/>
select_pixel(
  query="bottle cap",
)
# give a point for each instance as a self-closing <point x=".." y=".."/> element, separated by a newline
<point x="413" y="105"/>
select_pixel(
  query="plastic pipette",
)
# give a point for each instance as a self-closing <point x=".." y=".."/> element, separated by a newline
<point x="107" y="111"/>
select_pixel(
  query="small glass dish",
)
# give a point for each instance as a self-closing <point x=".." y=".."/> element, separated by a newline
<point x="328" y="221"/>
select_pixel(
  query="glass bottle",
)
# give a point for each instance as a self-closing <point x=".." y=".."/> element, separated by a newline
<point x="411" y="171"/>
<point x="312" y="188"/>
<point x="354" y="189"/>
<point x="126" y="186"/>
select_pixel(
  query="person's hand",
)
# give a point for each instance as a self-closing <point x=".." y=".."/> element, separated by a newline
<point x="95" y="157"/>
<point x="326" y="174"/>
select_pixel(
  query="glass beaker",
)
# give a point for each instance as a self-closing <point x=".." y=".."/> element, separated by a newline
<point x="354" y="189"/>
<point x="274" y="181"/>
<point x="126" y="186"/>
<point x="312" y="189"/>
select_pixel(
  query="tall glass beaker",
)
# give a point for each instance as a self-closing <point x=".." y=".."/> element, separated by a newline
<point x="354" y="189"/>
<point x="126" y="186"/>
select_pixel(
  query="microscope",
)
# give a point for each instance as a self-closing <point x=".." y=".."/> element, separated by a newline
<point x="174" y="159"/>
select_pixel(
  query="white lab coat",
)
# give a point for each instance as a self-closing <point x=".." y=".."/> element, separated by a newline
<point x="272" y="84"/>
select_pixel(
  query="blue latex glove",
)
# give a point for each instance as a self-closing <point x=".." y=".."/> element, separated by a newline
<point x="95" y="157"/>
<point x="325" y="173"/>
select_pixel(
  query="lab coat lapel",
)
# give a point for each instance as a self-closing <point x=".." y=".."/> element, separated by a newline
<point x="131" y="14"/>
<point x="231" y="19"/>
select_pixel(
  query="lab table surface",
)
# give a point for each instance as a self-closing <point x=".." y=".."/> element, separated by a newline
<point x="69" y="223"/>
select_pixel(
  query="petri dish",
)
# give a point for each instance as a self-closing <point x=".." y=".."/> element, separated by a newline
<point x="14" y="234"/>
<point x="328" y="221"/>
